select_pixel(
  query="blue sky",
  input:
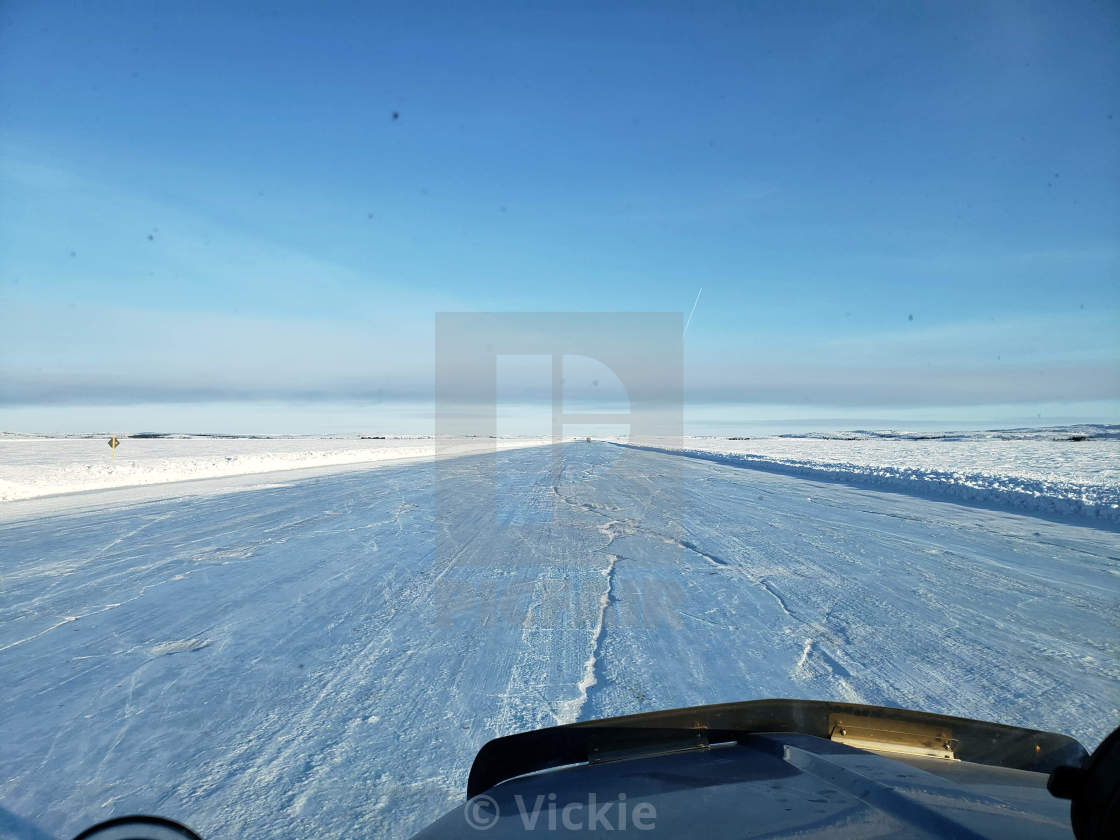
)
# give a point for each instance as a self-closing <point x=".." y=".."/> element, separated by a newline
<point x="895" y="210"/>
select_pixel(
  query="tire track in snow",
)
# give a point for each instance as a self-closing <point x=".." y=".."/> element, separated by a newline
<point x="515" y="712"/>
<point x="827" y="666"/>
<point x="571" y="709"/>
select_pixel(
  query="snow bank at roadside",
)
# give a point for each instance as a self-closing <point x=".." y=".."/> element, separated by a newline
<point x="31" y="467"/>
<point x="1060" y="472"/>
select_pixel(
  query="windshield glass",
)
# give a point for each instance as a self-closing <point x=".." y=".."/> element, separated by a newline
<point x="377" y="380"/>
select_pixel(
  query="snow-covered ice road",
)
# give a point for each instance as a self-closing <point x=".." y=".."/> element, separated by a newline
<point x="321" y="657"/>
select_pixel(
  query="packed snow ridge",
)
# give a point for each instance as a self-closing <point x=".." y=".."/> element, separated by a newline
<point x="1066" y="472"/>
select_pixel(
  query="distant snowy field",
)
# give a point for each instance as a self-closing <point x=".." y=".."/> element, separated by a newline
<point x="1072" y="472"/>
<point x="31" y="466"/>
<point x="1068" y="471"/>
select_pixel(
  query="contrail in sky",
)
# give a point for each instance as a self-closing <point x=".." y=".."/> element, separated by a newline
<point x="693" y="312"/>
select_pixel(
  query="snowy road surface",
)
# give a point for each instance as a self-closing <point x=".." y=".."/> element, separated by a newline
<point x="322" y="657"/>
